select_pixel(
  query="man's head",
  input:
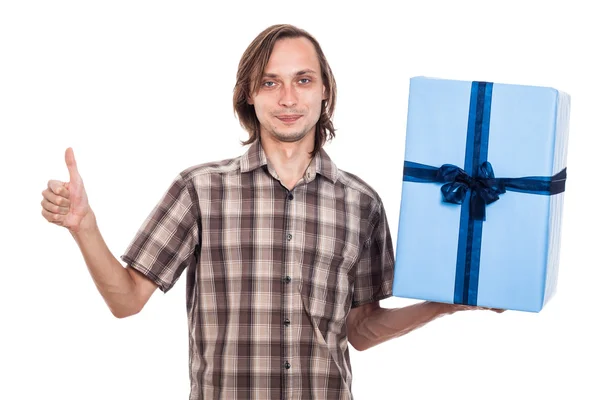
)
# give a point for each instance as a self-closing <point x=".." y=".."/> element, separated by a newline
<point x="285" y="87"/>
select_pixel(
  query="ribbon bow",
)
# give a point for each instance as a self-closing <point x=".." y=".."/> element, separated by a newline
<point x="485" y="188"/>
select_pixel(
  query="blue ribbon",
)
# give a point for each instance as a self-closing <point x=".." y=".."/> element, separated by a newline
<point x="477" y="178"/>
<point x="484" y="187"/>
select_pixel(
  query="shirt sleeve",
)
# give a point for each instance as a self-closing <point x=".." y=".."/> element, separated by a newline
<point x="165" y="243"/>
<point x="375" y="270"/>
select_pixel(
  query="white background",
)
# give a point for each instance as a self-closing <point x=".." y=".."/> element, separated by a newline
<point x="143" y="89"/>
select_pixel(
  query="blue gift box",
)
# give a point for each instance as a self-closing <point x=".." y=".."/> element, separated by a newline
<point x="482" y="193"/>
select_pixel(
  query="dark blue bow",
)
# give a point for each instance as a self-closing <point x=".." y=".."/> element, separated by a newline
<point x="485" y="188"/>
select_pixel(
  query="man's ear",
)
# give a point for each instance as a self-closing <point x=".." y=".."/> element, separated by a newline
<point x="249" y="101"/>
<point x="325" y="94"/>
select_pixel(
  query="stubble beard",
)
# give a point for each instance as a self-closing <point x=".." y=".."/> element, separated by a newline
<point x="290" y="137"/>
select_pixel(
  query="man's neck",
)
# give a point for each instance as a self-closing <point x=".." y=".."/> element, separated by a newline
<point x="290" y="160"/>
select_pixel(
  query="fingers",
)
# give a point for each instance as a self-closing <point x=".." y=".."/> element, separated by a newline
<point x="464" y="307"/>
<point x="53" y="208"/>
<point x="58" y="188"/>
<point x="72" y="166"/>
<point x="52" y="217"/>
<point x="497" y="310"/>
<point x="55" y="202"/>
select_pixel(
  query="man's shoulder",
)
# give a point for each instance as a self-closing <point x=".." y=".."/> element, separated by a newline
<point x="218" y="167"/>
<point x="354" y="182"/>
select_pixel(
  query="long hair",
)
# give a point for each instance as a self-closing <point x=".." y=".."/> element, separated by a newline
<point x="251" y="68"/>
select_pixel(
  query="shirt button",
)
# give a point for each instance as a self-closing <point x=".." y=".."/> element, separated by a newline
<point x="287" y="279"/>
<point x="287" y="365"/>
<point x="286" y="322"/>
<point x="290" y="196"/>
<point x="289" y="236"/>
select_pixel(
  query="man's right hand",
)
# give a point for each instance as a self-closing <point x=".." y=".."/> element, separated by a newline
<point x="66" y="203"/>
<point x="125" y="290"/>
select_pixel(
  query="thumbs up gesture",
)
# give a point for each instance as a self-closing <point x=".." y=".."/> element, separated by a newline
<point x="66" y="203"/>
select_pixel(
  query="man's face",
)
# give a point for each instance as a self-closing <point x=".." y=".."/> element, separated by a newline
<point x="288" y="102"/>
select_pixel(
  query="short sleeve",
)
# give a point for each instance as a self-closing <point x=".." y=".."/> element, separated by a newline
<point x="375" y="269"/>
<point x="165" y="243"/>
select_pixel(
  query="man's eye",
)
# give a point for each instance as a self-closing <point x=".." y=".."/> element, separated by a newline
<point x="304" y="80"/>
<point x="269" y="84"/>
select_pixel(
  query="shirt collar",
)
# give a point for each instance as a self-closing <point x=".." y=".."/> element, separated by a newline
<point x="253" y="158"/>
<point x="321" y="163"/>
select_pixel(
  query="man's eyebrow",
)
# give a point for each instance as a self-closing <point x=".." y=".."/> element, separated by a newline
<point x="305" y="71"/>
<point x="301" y="72"/>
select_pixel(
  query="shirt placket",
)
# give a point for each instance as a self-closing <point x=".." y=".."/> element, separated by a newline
<point x="291" y="280"/>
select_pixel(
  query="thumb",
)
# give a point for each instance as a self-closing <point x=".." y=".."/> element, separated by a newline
<point x="72" y="165"/>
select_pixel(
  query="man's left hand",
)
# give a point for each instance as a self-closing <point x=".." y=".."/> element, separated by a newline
<point x="452" y="308"/>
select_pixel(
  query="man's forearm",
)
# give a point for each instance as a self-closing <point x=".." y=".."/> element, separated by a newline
<point x="384" y="324"/>
<point x="113" y="281"/>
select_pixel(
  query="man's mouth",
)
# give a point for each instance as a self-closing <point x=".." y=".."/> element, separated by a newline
<point x="288" y="118"/>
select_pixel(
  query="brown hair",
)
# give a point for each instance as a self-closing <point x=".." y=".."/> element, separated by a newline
<point x="252" y="66"/>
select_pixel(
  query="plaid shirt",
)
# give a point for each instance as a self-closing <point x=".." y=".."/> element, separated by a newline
<point x="271" y="273"/>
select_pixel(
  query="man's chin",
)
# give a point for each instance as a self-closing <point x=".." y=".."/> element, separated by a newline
<point x="289" y="137"/>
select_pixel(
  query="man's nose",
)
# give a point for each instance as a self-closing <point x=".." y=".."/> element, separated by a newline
<point x="289" y="97"/>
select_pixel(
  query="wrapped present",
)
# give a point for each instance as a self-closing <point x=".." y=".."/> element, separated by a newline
<point x="482" y="194"/>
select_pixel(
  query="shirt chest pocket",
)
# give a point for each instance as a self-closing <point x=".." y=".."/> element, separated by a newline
<point x="326" y="287"/>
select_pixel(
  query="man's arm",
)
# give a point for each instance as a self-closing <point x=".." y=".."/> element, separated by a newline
<point x="124" y="290"/>
<point x="369" y="325"/>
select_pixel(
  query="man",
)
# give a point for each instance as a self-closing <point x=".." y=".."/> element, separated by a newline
<point x="287" y="256"/>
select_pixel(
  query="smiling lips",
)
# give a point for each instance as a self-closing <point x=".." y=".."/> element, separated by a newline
<point x="289" y="118"/>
